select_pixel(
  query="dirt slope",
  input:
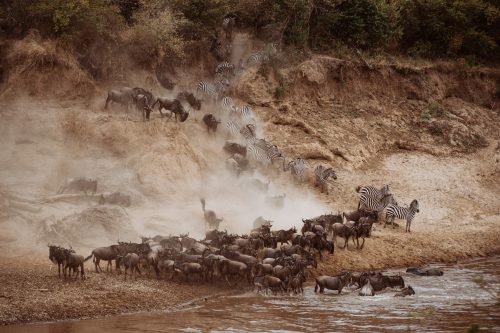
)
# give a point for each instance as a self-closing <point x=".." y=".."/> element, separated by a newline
<point x="431" y="132"/>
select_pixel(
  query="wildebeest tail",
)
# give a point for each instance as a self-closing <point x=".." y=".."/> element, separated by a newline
<point x="90" y="256"/>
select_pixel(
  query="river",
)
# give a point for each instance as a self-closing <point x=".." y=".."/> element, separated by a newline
<point x="467" y="295"/>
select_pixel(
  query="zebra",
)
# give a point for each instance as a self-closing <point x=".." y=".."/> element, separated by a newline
<point x="404" y="213"/>
<point x="224" y="67"/>
<point x="296" y="167"/>
<point x="263" y="154"/>
<point x="213" y="89"/>
<point x="258" y="57"/>
<point x="233" y="128"/>
<point x="246" y="112"/>
<point x="372" y="204"/>
<point x="227" y="103"/>
<point x="248" y="132"/>
<point x="263" y="56"/>
<point x="322" y="174"/>
<point x="370" y="191"/>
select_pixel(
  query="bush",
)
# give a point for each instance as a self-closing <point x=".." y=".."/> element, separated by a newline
<point x="75" y="19"/>
<point x="154" y="33"/>
<point x="360" y="23"/>
<point x="450" y="28"/>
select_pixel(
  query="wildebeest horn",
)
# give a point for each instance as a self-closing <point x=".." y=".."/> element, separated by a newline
<point x="303" y="221"/>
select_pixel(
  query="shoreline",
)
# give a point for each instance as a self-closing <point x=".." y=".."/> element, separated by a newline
<point x="63" y="300"/>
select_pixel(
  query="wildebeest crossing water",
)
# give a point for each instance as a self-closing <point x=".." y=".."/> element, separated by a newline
<point x="466" y="295"/>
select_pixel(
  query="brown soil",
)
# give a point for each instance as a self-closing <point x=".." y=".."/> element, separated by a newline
<point x="431" y="132"/>
<point x="31" y="291"/>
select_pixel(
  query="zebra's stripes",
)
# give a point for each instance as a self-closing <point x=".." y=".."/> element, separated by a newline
<point x="248" y="132"/>
<point x="372" y="192"/>
<point x="224" y="67"/>
<point x="263" y="154"/>
<point x="227" y="103"/>
<point x="233" y="128"/>
<point x="404" y="213"/>
<point x="372" y="204"/>
<point x="322" y="174"/>
<point x="263" y="56"/>
<point x="212" y="89"/>
<point x="296" y="167"/>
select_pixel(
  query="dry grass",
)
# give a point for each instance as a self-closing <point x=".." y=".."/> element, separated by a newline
<point x="76" y="127"/>
<point x="42" y="67"/>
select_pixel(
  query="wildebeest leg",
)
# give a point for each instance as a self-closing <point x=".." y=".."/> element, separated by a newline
<point x="107" y="101"/>
<point x="346" y="243"/>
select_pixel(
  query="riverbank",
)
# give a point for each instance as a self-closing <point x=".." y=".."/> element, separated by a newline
<point x="30" y="290"/>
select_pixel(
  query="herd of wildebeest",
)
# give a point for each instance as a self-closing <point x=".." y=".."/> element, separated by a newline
<point x="275" y="260"/>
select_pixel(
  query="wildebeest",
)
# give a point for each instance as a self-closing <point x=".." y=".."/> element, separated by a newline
<point x="295" y="283"/>
<point x="425" y="271"/>
<point x="234" y="268"/>
<point x="143" y="105"/>
<point x="269" y="282"/>
<point x="107" y="253"/>
<point x="211" y="123"/>
<point x="395" y="281"/>
<point x="79" y="185"/>
<point x="191" y="268"/>
<point x="189" y="97"/>
<point x="235" y="148"/>
<point x="331" y="282"/>
<point x="56" y="255"/>
<point x="124" y="96"/>
<point x="408" y="291"/>
<point x="283" y="236"/>
<point x="131" y="261"/>
<point x="342" y="230"/>
<point x="173" y="106"/>
<point x="357" y="214"/>
<point x="73" y="261"/>
<point x="210" y="216"/>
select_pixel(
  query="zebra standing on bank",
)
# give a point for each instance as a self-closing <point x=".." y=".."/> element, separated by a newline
<point x="372" y="204"/>
<point x="296" y="167"/>
<point x="404" y="213"/>
<point x="322" y="174"/>
<point x="372" y="192"/>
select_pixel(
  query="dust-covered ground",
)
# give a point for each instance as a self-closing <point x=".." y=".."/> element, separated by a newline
<point x="431" y="134"/>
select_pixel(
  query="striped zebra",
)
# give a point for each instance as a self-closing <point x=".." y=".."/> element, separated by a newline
<point x="372" y="192"/>
<point x="404" y="213"/>
<point x="224" y="67"/>
<point x="263" y="155"/>
<point x="246" y="112"/>
<point x="248" y="132"/>
<point x="296" y="167"/>
<point x="233" y="128"/>
<point x="213" y="89"/>
<point x="227" y="103"/>
<point x="263" y="56"/>
<point x="371" y="204"/>
<point x="322" y="174"/>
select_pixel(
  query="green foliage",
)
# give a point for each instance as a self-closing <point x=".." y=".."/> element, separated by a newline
<point x="450" y="28"/>
<point x="361" y="23"/>
<point x="204" y="15"/>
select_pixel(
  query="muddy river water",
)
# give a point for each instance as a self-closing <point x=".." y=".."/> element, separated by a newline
<point x="467" y="295"/>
